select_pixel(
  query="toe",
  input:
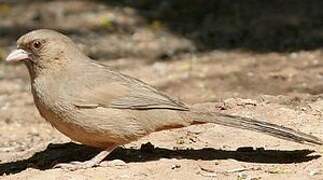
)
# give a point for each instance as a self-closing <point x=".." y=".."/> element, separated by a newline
<point x="64" y="166"/>
<point x="113" y="163"/>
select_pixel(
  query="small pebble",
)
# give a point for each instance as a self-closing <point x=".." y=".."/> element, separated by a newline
<point x="175" y="166"/>
<point x="242" y="176"/>
<point x="315" y="172"/>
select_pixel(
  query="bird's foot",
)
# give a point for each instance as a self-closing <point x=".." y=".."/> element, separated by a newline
<point x="95" y="161"/>
<point x="75" y="165"/>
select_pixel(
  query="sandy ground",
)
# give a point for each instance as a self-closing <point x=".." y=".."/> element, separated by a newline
<point x="278" y="86"/>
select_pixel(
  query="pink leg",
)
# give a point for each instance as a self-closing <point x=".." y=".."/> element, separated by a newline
<point x="95" y="161"/>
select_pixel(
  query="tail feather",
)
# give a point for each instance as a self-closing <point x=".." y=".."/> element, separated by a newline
<point x="255" y="125"/>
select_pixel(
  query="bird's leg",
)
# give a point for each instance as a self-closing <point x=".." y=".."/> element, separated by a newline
<point x="95" y="161"/>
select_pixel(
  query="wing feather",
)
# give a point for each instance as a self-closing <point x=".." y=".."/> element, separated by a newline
<point x="116" y="90"/>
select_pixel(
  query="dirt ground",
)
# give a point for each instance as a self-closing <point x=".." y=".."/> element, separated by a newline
<point x="272" y="73"/>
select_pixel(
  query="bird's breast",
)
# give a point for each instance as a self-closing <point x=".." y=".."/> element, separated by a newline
<point x="48" y="101"/>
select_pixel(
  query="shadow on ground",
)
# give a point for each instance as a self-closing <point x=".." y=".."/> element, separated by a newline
<point x="67" y="152"/>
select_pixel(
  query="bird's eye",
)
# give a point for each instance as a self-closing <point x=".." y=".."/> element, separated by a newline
<point x="36" y="44"/>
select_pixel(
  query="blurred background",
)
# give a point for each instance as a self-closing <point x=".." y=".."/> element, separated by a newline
<point x="197" y="50"/>
<point x="268" y="53"/>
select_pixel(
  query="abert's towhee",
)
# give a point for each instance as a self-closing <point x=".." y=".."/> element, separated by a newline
<point x="100" y="107"/>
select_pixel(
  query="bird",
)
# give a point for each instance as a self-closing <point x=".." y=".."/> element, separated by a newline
<point x="95" y="105"/>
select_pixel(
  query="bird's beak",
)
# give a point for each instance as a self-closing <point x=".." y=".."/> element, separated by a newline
<point x="18" y="55"/>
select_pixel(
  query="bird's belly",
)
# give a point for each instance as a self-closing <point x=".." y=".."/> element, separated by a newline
<point x="83" y="134"/>
<point x="94" y="127"/>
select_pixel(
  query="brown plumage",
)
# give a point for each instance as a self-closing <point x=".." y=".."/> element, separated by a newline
<point x="100" y="107"/>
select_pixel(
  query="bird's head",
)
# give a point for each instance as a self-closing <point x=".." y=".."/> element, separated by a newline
<point x="44" y="48"/>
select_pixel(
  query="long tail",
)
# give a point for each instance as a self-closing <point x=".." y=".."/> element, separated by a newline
<point x="255" y="125"/>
